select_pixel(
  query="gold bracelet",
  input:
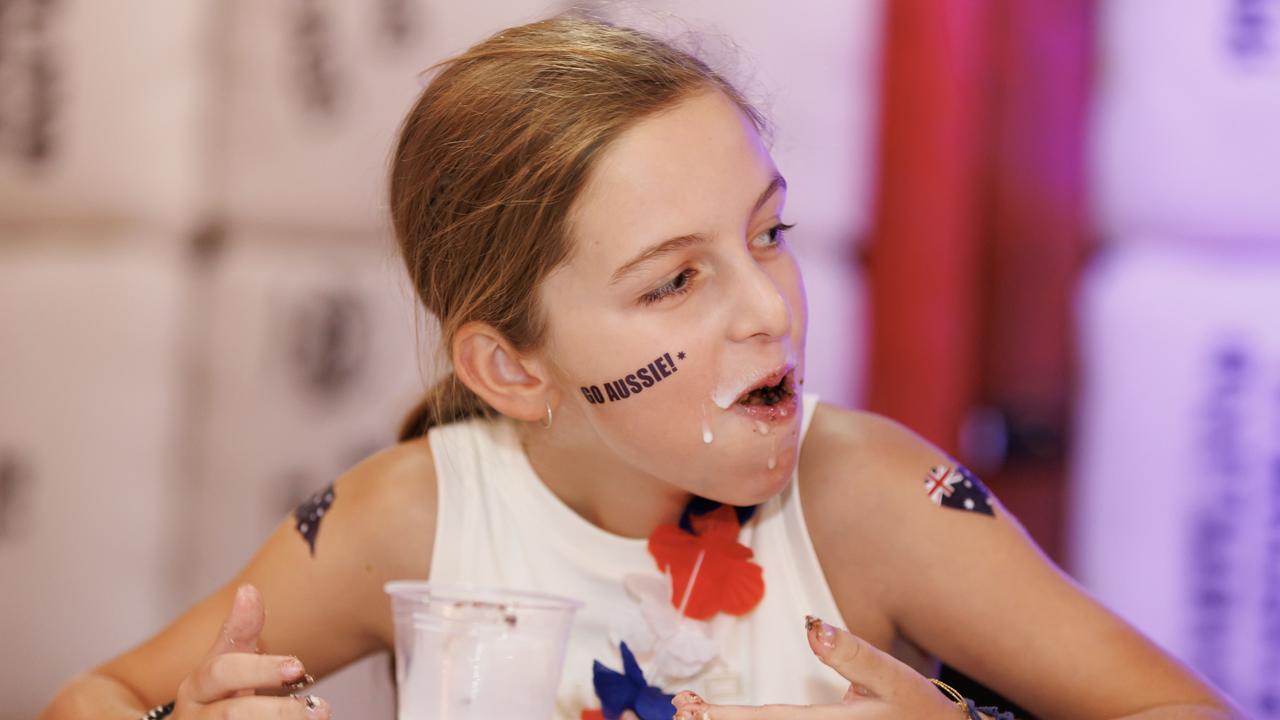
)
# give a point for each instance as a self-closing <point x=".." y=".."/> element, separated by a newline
<point x="954" y="694"/>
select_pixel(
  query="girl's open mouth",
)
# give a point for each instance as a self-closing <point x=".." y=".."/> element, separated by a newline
<point x="774" y="400"/>
<point x="770" y="394"/>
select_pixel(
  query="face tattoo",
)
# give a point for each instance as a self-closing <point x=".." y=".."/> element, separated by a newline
<point x="661" y="368"/>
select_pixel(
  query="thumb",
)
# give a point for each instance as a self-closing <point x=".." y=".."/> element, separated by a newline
<point x="870" y="671"/>
<point x="243" y="624"/>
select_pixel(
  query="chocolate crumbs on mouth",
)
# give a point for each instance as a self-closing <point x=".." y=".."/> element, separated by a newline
<point x="768" y="395"/>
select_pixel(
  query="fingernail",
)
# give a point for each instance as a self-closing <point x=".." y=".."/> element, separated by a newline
<point x="685" y="697"/>
<point x="809" y="622"/>
<point x="290" y="670"/>
<point x="827" y="636"/>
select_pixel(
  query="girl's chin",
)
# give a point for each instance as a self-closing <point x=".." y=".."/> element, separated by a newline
<point x="755" y="487"/>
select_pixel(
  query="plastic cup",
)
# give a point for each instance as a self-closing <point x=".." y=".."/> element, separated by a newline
<point x="466" y="653"/>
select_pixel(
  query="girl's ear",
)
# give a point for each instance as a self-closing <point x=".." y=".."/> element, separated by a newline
<point x="486" y="363"/>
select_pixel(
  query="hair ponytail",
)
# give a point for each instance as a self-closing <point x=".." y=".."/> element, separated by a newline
<point x="449" y="400"/>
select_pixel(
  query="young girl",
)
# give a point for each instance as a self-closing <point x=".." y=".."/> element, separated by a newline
<point x="595" y="220"/>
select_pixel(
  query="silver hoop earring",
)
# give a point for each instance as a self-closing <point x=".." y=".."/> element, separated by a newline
<point x="547" y="423"/>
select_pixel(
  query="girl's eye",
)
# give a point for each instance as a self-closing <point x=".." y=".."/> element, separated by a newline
<point x="677" y="285"/>
<point x="774" y="234"/>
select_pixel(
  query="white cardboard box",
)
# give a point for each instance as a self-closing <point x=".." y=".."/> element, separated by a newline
<point x="103" y="114"/>
<point x="90" y="406"/>
<point x="316" y="92"/>
<point x="1176" y="468"/>
<point x="1184" y="146"/>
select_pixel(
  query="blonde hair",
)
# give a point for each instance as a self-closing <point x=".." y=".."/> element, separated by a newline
<point x="491" y="157"/>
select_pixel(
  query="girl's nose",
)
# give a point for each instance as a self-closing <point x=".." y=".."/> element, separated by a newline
<point x="760" y="309"/>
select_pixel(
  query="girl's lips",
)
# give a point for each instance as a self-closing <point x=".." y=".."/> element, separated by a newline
<point x="780" y="412"/>
<point x="728" y="394"/>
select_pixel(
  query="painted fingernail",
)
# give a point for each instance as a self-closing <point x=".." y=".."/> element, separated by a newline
<point x="827" y="636"/>
<point x="809" y="622"/>
<point x="301" y="683"/>
<point x="685" y="697"/>
<point x="290" y="669"/>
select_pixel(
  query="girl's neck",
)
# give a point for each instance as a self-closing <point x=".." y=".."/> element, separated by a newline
<point x="602" y="490"/>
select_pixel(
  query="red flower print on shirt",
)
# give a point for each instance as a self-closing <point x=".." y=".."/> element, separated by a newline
<point x="711" y="571"/>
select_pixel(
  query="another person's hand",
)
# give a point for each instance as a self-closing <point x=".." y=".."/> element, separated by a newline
<point x="224" y="683"/>
<point x="880" y="686"/>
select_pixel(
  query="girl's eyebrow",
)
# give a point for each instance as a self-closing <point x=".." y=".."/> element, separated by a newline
<point x="663" y="248"/>
<point x="683" y="241"/>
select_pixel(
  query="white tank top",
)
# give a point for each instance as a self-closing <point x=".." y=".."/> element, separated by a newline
<point x="499" y="525"/>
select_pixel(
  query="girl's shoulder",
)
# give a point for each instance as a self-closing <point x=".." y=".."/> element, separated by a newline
<point x="402" y="472"/>
<point x="377" y="506"/>
<point x="381" y="525"/>
<point x="394" y="494"/>
<point x="861" y="484"/>
<point x="859" y="465"/>
<point x="843" y="445"/>
<point x="860" y="479"/>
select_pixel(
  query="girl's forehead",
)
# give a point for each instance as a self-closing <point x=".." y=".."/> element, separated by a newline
<point x="685" y="170"/>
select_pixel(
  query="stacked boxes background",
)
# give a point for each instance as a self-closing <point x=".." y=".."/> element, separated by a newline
<point x="1177" y="463"/>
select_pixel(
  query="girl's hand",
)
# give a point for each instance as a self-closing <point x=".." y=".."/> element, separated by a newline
<point x="880" y="687"/>
<point x="223" y="685"/>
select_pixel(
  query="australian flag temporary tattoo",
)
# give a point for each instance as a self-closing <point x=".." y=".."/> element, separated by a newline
<point x="308" y="515"/>
<point x="956" y="487"/>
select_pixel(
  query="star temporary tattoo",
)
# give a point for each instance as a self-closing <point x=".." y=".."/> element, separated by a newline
<point x="308" y="515"/>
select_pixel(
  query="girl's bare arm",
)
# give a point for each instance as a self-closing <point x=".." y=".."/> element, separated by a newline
<point x="973" y="589"/>
<point x="324" y="601"/>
